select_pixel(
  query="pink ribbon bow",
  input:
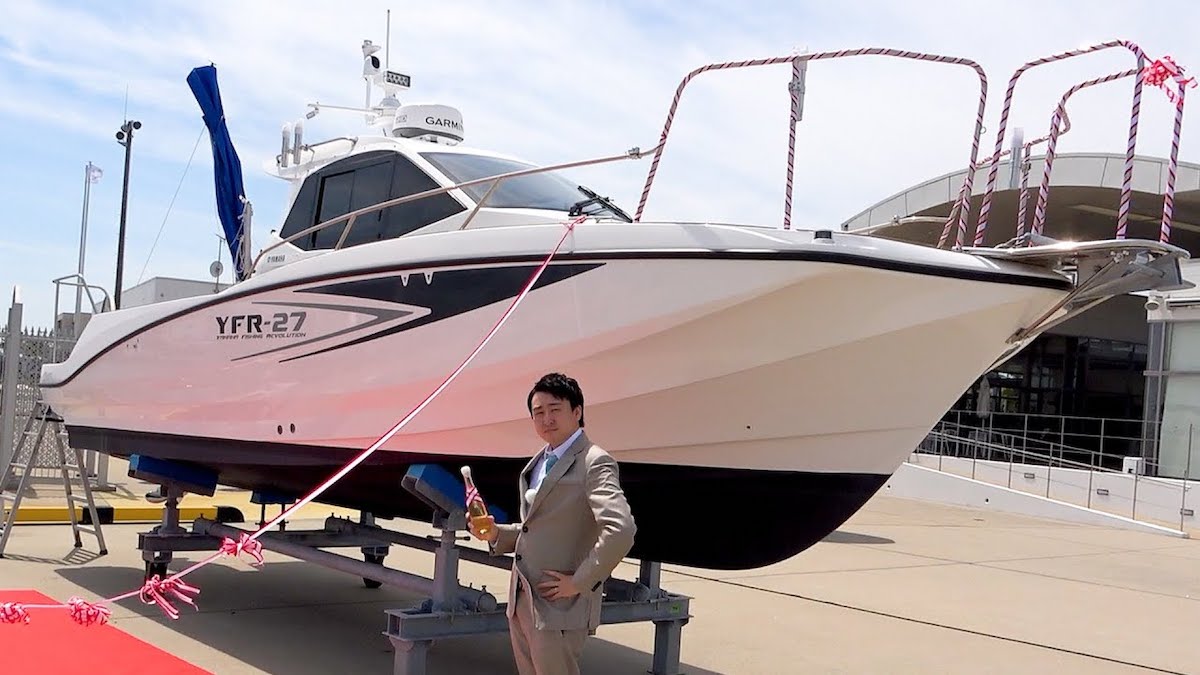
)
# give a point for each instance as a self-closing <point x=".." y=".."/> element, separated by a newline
<point x="249" y="546"/>
<point x="1158" y="73"/>
<point x="152" y="594"/>
<point x="13" y="612"/>
<point x="87" y="613"/>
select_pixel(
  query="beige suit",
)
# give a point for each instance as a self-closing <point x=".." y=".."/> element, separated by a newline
<point x="580" y="523"/>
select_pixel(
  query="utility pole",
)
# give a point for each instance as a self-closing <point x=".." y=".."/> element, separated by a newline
<point x="125" y="138"/>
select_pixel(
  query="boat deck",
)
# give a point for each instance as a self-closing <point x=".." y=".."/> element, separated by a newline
<point x="903" y="587"/>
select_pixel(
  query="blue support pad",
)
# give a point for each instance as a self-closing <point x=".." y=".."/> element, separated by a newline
<point x="187" y="477"/>
<point x="442" y="490"/>
<point x="258" y="497"/>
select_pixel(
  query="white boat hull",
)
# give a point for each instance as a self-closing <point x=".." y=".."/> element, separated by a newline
<point x="725" y="365"/>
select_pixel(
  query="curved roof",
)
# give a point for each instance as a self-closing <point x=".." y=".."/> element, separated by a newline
<point x="1085" y="191"/>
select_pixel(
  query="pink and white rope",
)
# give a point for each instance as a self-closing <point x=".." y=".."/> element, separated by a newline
<point x="964" y="194"/>
<point x="13" y="612"/>
<point x="155" y="590"/>
<point x="1039" y="209"/>
<point x="1164" y="233"/>
<point x="1130" y="148"/>
<point x="794" y="89"/>
<point x="985" y="206"/>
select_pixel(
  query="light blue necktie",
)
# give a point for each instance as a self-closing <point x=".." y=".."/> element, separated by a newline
<point x="551" y="458"/>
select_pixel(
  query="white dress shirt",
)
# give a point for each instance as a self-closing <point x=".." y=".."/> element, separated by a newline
<point x="540" y="470"/>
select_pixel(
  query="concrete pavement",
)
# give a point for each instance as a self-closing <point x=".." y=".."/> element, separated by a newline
<point x="903" y="587"/>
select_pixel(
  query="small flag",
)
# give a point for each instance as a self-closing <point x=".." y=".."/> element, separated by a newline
<point x="94" y="173"/>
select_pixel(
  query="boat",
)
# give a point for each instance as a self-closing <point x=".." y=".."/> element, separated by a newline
<point x="774" y="376"/>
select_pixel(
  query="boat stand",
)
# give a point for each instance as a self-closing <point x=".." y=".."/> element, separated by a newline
<point x="449" y="609"/>
<point x="176" y="480"/>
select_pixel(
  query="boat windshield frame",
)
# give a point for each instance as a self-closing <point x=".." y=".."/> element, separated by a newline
<point x="548" y="191"/>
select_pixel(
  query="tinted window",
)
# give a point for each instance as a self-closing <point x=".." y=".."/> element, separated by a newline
<point x="302" y="215"/>
<point x="372" y="185"/>
<point x="537" y="191"/>
<point x="336" y="191"/>
<point x="406" y="217"/>
<point x="358" y="182"/>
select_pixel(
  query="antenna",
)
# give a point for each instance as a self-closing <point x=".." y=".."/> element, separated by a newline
<point x="387" y="42"/>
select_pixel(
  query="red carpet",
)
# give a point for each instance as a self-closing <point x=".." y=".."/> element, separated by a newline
<point x="52" y="643"/>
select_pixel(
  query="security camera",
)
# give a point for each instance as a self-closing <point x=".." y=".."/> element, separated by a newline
<point x="371" y="66"/>
<point x="1153" y="304"/>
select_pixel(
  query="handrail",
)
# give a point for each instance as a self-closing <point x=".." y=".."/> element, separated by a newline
<point x="1038" y="436"/>
<point x="81" y="283"/>
<point x="632" y="153"/>
<point x="797" y="59"/>
<point x="1126" y="187"/>
<point x="941" y="443"/>
<point x="1156" y="74"/>
<point x="1063" y="462"/>
<point x="78" y="282"/>
<point x="1001" y="413"/>
<point x="1039" y="209"/>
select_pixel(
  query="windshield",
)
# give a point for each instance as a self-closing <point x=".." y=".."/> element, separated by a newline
<point x="536" y="191"/>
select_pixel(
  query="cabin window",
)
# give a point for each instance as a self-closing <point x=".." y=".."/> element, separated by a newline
<point x="358" y="182"/>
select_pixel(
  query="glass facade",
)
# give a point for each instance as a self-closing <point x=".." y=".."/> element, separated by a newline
<point x="1057" y="390"/>
<point x="1178" y="451"/>
<point x="1067" y="375"/>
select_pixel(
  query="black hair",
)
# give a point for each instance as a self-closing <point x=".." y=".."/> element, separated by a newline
<point x="559" y="386"/>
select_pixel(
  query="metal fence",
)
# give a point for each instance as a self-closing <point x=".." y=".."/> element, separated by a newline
<point x="1103" y="441"/>
<point x="23" y="351"/>
<point x="1137" y="489"/>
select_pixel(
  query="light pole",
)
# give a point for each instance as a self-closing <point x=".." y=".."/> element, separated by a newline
<point x="91" y="174"/>
<point x="125" y="138"/>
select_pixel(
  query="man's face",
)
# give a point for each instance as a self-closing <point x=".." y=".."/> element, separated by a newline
<point x="553" y="419"/>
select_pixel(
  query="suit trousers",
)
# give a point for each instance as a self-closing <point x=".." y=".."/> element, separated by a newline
<point x="542" y="652"/>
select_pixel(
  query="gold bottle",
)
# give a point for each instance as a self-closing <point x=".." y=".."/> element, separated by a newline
<point x="476" y="509"/>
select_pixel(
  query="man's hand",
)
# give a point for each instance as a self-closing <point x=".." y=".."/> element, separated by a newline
<point x="561" y="586"/>
<point x="492" y="531"/>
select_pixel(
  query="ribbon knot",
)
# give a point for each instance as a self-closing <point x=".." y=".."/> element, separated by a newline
<point x="87" y="613"/>
<point x="13" y="612"/>
<point x="1156" y="75"/>
<point x="250" y="547"/>
<point x="154" y="588"/>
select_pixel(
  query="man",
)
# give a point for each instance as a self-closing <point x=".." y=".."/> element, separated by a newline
<point x="576" y="527"/>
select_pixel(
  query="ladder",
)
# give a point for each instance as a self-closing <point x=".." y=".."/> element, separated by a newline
<point x="31" y="438"/>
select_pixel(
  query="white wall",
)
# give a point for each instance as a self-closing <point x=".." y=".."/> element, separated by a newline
<point x="160" y="289"/>
<point x="917" y="482"/>
<point x="1158" y="500"/>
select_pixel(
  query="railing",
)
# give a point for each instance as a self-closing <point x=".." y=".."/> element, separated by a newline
<point x="1107" y="438"/>
<point x="799" y="63"/>
<point x="1001" y="459"/>
<point x="352" y="216"/>
<point x="1155" y="74"/>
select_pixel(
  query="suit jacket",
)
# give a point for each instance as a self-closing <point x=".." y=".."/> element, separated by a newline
<point x="578" y="522"/>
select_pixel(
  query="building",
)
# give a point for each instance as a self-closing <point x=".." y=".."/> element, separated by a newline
<point x="1113" y="380"/>
<point x="161" y="289"/>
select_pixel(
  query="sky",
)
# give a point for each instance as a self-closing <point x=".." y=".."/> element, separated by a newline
<point x="548" y="81"/>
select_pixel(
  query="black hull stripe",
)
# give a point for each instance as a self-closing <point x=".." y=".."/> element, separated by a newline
<point x="834" y="257"/>
<point x="778" y="513"/>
